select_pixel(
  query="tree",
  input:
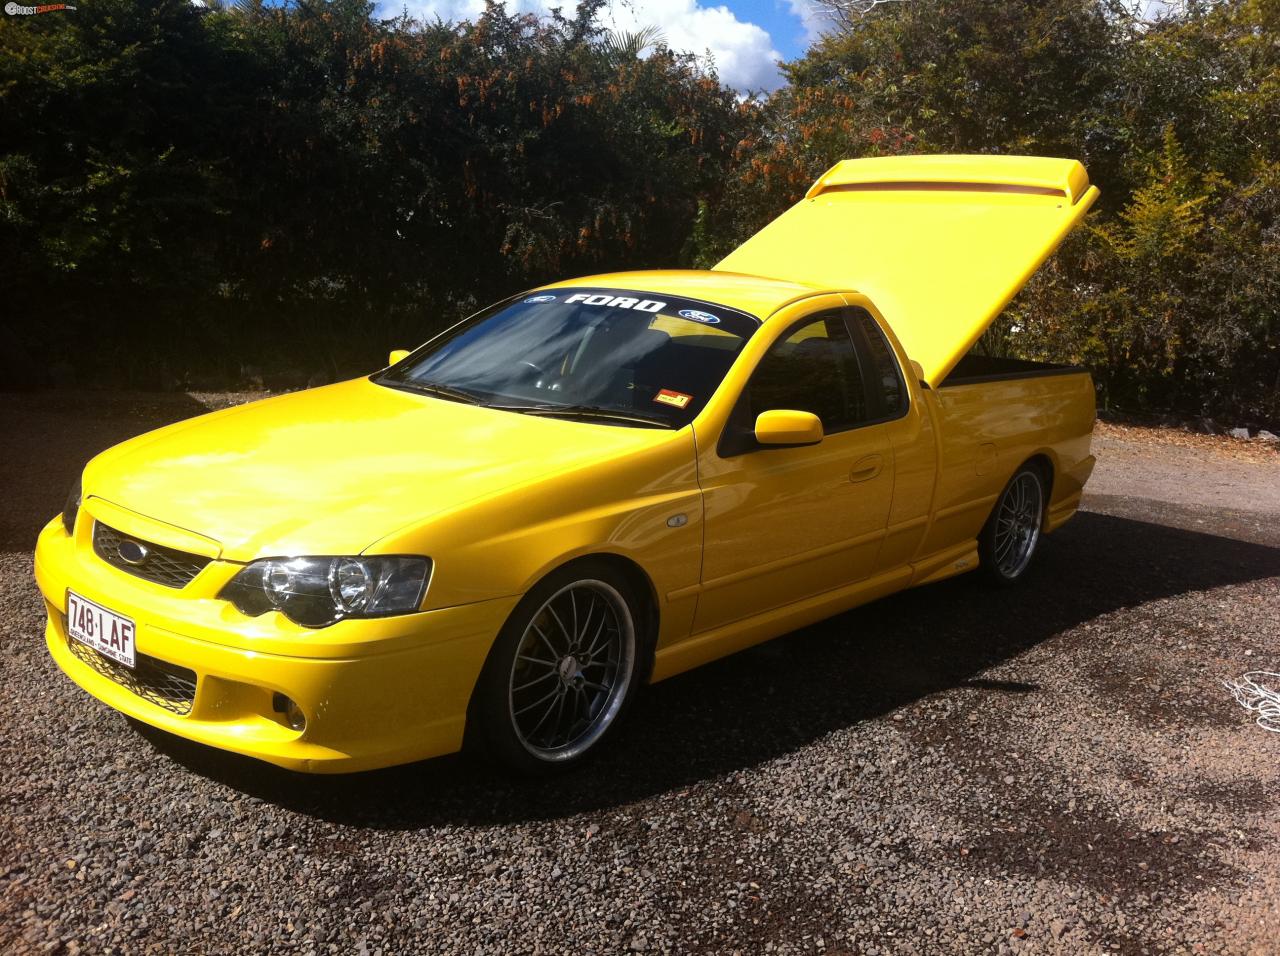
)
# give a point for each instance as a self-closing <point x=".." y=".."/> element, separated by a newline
<point x="1170" y="293"/>
<point x="308" y="184"/>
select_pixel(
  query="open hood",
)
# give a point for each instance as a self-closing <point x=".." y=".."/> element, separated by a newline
<point x="940" y="244"/>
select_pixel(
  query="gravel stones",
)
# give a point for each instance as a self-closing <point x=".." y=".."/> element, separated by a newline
<point x="1066" y="776"/>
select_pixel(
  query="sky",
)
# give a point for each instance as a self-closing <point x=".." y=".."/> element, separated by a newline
<point x="747" y="38"/>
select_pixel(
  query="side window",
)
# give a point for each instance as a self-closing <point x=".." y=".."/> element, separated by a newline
<point x="813" y="368"/>
<point x="883" y="374"/>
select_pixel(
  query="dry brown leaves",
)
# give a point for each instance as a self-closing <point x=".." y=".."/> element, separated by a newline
<point x="1238" y="448"/>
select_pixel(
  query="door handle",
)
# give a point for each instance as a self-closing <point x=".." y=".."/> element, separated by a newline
<point x="864" y="469"/>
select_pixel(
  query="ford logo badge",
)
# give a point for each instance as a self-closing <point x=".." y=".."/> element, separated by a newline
<point x="132" y="552"/>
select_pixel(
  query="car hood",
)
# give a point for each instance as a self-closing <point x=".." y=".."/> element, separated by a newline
<point x="332" y="470"/>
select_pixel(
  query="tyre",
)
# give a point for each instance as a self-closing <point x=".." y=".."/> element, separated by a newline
<point x="562" y="672"/>
<point x="1011" y="535"/>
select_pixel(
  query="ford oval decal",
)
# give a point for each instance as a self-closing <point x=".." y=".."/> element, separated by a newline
<point x="705" y="317"/>
<point x="540" y="298"/>
<point x="133" y="552"/>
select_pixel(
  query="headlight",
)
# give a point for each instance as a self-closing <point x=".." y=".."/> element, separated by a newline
<point x="316" y="592"/>
<point x="71" y="508"/>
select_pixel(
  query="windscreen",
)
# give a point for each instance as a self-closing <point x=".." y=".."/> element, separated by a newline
<point x="608" y="355"/>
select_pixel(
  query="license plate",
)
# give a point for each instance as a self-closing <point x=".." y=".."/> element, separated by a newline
<point x="107" y="632"/>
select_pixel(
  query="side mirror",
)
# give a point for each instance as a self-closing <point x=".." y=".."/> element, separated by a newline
<point x="398" y="355"/>
<point x="781" y="427"/>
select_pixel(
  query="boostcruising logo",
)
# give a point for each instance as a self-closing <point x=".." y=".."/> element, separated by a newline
<point x="18" y="10"/>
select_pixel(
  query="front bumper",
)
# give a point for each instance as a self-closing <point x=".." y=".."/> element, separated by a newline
<point x="375" y="692"/>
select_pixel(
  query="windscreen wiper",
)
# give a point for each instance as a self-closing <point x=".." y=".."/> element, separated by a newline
<point x="450" y="392"/>
<point x="586" y="411"/>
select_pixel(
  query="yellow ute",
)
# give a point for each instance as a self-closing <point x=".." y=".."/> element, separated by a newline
<point x="588" y="486"/>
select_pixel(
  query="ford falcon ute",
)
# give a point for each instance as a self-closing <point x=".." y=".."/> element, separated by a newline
<point x="501" y="537"/>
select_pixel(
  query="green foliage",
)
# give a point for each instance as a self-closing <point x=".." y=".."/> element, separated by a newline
<point x="1171" y="292"/>
<point x="627" y="45"/>
<point x="1172" y="295"/>
<point x="1180" y="293"/>
<point x="187" y="190"/>
<point x="306" y="184"/>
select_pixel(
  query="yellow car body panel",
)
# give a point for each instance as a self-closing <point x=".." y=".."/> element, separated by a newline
<point x="413" y="673"/>
<point x="733" y="549"/>
<point x="354" y="456"/>
<point x="770" y="539"/>
<point x="939" y="243"/>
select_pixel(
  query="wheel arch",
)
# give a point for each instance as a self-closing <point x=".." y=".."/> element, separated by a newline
<point x="1043" y="461"/>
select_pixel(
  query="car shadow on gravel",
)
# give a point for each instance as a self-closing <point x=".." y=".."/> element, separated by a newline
<point x="778" y="697"/>
<point x="51" y="435"/>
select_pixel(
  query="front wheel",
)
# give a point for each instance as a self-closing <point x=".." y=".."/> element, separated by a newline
<point x="562" y="671"/>
<point x="1009" y="539"/>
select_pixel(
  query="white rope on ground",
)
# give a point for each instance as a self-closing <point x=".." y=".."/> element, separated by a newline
<point x="1258" y="698"/>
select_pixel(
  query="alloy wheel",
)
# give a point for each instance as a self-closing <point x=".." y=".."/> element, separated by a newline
<point x="571" y="670"/>
<point x="1018" y="524"/>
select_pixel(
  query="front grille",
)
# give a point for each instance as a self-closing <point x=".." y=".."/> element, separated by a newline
<point x="166" y="566"/>
<point x="163" y="684"/>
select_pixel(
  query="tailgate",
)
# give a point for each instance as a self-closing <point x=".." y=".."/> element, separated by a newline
<point x="939" y="243"/>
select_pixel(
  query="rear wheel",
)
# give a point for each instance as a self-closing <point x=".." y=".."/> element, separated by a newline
<point x="1011" y="535"/>
<point x="562" y="671"/>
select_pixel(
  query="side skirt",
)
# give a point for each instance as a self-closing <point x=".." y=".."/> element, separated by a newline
<point x="722" y="641"/>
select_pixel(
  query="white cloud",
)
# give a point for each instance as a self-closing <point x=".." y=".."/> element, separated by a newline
<point x="815" y="19"/>
<point x="744" y="53"/>
<point x="1153" y="9"/>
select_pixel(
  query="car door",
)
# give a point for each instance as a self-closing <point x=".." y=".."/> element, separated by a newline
<point x="786" y="523"/>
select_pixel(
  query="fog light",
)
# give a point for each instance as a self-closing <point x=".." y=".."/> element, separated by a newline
<point x="293" y="715"/>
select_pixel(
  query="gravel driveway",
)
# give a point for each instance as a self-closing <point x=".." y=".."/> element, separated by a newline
<point x="1054" y="768"/>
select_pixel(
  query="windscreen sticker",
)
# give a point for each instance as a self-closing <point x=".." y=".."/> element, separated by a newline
<point x="706" y="318"/>
<point x="667" y="397"/>
<point x="539" y="298"/>
<point x="617" y="302"/>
